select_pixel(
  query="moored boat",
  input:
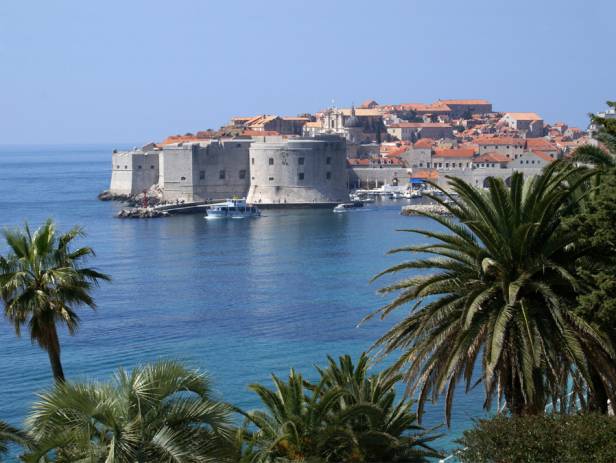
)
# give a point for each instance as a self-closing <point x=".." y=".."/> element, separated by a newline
<point x="232" y="209"/>
<point x="346" y="207"/>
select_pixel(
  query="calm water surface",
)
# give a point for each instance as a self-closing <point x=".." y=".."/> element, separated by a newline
<point x="241" y="299"/>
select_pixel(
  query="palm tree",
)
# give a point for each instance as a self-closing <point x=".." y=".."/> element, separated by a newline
<point x="390" y="432"/>
<point x="11" y="435"/>
<point x="157" y="413"/>
<point x="296" y="425"/>
<point x="42" y="281"/>
<point x="502" y="289"/>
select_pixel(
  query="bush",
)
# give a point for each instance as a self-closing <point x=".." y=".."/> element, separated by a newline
<point x="545" y="439"/>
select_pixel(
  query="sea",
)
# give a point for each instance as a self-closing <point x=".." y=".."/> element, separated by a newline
<point x="238" y="299"/>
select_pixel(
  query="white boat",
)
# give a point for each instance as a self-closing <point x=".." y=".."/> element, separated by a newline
<point x="232" y="209"/>
<point x="347" y="207"/>
<point x="410" y="194"/>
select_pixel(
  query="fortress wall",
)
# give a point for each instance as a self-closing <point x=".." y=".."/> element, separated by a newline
<point x="374" y="177"/>
<point x="221" y="170"/>
<point x="277" y="165"/>
<point x="178" y="172"/>
<point x="133" y="171"/>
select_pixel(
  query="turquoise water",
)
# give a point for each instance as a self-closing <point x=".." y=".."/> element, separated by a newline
<point x="240" y="299"/>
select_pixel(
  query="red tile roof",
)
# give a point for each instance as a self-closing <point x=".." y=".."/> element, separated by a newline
<point x="516" y="141"/>
<point x="423" y="143"/>
<point x="419" y="125"/>
<point x="492" y="157"/>
<point x="466" y="102"/>
<point x="540" y="144"/>
<point x="454" y="152"/>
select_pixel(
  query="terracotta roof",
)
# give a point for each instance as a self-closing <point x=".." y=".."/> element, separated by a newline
<point x="313" y="124"/>
<point x="467" y="102"/>
<point x="423" y="143"/>
<point x="260" y="133"/>
<point x="179" y="139"/>
<point x="540" y="144"/>
<point x="524" y="116"/>
<point x="419" y="125"/>
<point x="454" y="152"/>
<point x="492" y="157"/>
<point x="543" y="156"/>
<point x="425" y="174"/>
<point x="516" y="141"/>
<point x="295" y="118"/>
<point x="359" y="112"/>
<point x="420" y="107"/>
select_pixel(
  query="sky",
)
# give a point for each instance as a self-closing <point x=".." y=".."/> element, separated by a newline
<point x="134" y="71"/>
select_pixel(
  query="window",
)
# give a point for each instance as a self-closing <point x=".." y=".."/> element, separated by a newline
<point x="252" y="161"/>
<point x="139" y="167"/>
<point x="459" y="164"/>
<point x="126" y="167"/>
<point x="271" y="179"/>
<point x="440" y="164"/>
<point x="221" y="175"/>
<point x="271" y="161"/>
<point x="328" y="160"/>
<point x="117" y="167"/>
<point x="182" y="178"/>
<point x="328" y="175"/>
<point x="421" y="164"/>
<point x="242" y="174"/>
<point x="300" y="161"/>
<point x="300" y="176"/>
<point x="447" y="165"/>
<point x="428" y="165"/>
<point x="151" y="167"/>
<point x="238" y="145"/>
<point x="201" y="174"/>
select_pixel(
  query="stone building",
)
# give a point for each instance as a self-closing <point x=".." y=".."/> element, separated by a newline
<point x="464" y="108"/>
<point x="203" y="171"/>
<point x="298" y="171"/>
<point x="412" y="131"/>
<point x="529" y="125"/>
<point x="509" y="146"/>
<point x="134" y="171"/>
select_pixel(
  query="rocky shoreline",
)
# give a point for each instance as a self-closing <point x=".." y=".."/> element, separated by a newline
<point x="418" y="209"/>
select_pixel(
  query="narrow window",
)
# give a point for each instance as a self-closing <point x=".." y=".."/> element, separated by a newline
<point x="151" y="167"/>
<point x="447" y="165"/>
<point x="271" y="161"/>
<point x="117" y="167"/>
<point x="252" y="161"/>
<point x="328" y="175"/>
<point x="271" y="179"/>
<point x="182" y="178"/>
<point x="221" y="175"/>
<point x="126" y="167"/>
<point x="300" y="176"/>
<point x="328" y="160"/>
<point x="201" y="174"/>
<point x="242" y="174"/>
<point x="300" y="161"/>
<point x="139" y="167"/>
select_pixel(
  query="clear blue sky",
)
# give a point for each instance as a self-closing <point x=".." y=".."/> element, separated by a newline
<point x="77" y="71"/>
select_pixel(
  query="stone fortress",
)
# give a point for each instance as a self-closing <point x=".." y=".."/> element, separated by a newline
<point x="316" y="159"/>
<point x="271" y="171"/>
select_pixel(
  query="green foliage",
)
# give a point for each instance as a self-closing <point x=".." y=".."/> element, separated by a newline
<point x="156" y="413"/>
<point x="42" y="281"/>
<point x="11" y="435"/>
<point x="501" y="292"/>
<point x="546" y="439"/>
<point x="347" y="415"/>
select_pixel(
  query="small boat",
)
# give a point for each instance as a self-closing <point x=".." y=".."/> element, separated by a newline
<point x="232" y="209"/>
<point x="346" y="207"/>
